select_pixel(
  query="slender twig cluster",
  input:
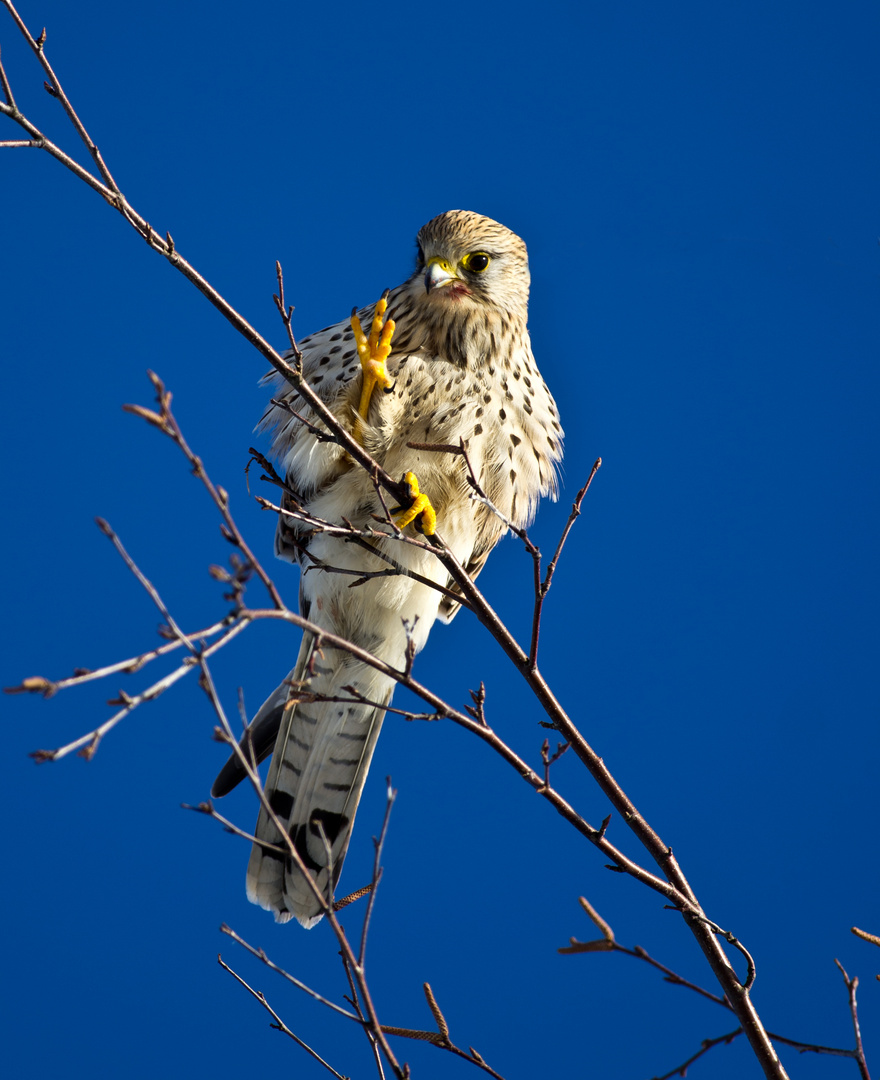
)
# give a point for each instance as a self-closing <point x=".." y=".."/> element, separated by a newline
<point x="607" y="943"/>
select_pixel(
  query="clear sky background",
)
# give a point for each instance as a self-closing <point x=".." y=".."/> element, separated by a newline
<point x="698" y="187"/>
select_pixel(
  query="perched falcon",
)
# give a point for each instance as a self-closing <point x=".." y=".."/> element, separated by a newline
<point x="460" y="366"/>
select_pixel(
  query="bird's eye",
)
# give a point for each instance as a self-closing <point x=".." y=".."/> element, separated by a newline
<point x="476" y="262"/>
<point x="420" y="255"/>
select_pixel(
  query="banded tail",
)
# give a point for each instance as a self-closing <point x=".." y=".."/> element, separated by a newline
<point x="321" y="758"/>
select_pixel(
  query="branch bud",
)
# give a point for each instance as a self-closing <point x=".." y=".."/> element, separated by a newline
<point x="36" y="684"/>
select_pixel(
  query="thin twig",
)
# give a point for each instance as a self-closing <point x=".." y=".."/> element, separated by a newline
<point x="264" y="959"/>
<point x="543" y="587"/>
<point x="607" y="943"/>
<point x="37" y="45"/>
<point x="731" y="939"/>
<point x="249" y="765"/>
<point x="149" y="588"/>
<point x="852" y="984"/>
<point x="10" y="99"/>
<point x="548" y="760"/>
<point x="706" y="1046"/>
<point x="279" y="1024"/>
<point x="366" y="539"/>
<point x="208" y="809"/>
<point x="286" y="312"/>
<point x="88" y="744"/>
<point x="167" y="423"/>
<point x="390" y="796"/>
<point x="49" y="687"/>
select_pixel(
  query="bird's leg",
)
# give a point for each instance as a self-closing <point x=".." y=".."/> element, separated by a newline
<point x="419" y="511"/>
<point x="373" y="351"/>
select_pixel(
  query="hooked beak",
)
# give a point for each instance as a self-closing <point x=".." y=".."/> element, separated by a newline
<point x="438" y="273"/>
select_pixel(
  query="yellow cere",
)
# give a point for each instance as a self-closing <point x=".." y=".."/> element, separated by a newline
<point x="444" y="264"/>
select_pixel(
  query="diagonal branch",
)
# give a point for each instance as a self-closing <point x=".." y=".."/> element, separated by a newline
<point x="166" y="422"/>
<point x="852" y="984"/>
<point x="112" y="194"/>
<point x="264" y="959"/>
<point x="279" y="1024"/>
<point x="49" y="687"/>
<point x="379" y="843"/>
<point x="55" y="89"/>
<point x="543" y="587"/>
<point x="607" y="943"/>
<point x="88" y="744"/>
<point x="149" y="588"/>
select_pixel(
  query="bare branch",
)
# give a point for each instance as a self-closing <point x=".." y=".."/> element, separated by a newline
<point x="321" y="434"/>
<point x="366" y="539"/>
<point x="548" y="760"/>
<point x="737" y="944"/>
<point x="286" y="312"/>
<point x="543" y="587"/>
<point x="279" y="1024"/>
<point x="852" y="984"/>
<point x="48" y="687"/>
<point x="10" y="101"/>
<point x="264" y="959"/>
<point x="607" y="943"/>
<point x="598" y="921"/>
<point x="167" y="423"/>
<point x="55" y="89"/>
<point x="379" y="843"/>
<point x="150" y="589"/>
<point x="706" y="1046"/>
<point x="88" y="744"/>
<point x="208" y="809"/>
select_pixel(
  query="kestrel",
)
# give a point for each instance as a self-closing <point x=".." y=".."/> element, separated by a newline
<point x="460" y="366"/>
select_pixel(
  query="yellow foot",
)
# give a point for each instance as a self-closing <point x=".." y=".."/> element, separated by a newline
<point x="373" y="352"/>
<point x="419" y="511"/>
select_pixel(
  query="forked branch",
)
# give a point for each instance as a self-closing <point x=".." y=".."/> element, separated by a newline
<point x="607" y="943"/>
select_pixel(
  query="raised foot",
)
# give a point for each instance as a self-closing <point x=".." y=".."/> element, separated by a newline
<point x="373" y="351"/>
<point x="419" y="511"/>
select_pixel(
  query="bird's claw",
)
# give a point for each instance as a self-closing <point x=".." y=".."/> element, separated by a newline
<point x="420" y="511"/>
<point x="373" y="351"/>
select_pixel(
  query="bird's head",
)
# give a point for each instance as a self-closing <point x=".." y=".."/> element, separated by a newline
<point x="468" y="261"/>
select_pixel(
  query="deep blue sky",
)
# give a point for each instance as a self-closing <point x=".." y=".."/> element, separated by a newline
<point x="698" y="186"/>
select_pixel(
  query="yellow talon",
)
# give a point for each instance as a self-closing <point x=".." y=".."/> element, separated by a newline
<point x="421" y="506"/>
<point x="373" y="352"/>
